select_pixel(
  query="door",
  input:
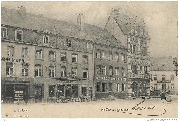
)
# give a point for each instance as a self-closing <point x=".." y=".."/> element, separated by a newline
<point x="163" y="87"/>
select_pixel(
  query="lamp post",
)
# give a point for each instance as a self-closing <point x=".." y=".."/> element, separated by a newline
<point x="175" y="63"/>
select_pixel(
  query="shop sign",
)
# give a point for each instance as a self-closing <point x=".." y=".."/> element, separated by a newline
<point x="12" y="59"/>
<point x="107" y="78"/>
<point x="16" y="79"/>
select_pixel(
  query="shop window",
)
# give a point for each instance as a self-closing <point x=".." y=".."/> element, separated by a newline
<point x="85" y="73"/>
<point x="63" y="71"/>
<point x="4" y="32"/>
<point x="103" y="70"/>
<point x="60" y="90"/>
<point x="38" y="70"/>
<point x="104" y="87"/>
<point x="52" y="71"/>
<point x="51" y="91"/>
<point x="98" y="87"/>
<point x="117" y="71"/>
<point x="84" y="91"/>
<point x="116" y="57"/>
<point x="110" y="71"/>
<point x="74" y="71"/>
<point x="85" y="59"/>
<point x="123" y="87"/>
<point x="45" y="39"/>
<point x="172" y="77"/>
<point x="163" y="77"/>
<point x="18" y="35"/>
<point x="39" y="54"/>
<point x="110" y="86"/>
<point x="63" y="56"/>
<point x="68" y="43"/>
<point x="24" y="52"/>
<point x="10" y="51"/>
<point x="74" y="58"/>
<point x="118" y="87"/>
<point x="155" y="77"/>
<point x="25" y="70"/>
<point x="52" y="55"/>
<point x="9" y="69"/>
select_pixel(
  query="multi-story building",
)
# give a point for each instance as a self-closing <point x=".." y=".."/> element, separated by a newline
<point x="43" y="58"/>
<point x="137" y="43"/>
<point x="163" y="76"/>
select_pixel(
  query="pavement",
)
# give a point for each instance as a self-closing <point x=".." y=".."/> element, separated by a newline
<point x="120" y="108"/>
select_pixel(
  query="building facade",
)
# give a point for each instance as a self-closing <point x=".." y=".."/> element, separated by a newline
<point x="163" y="76"/>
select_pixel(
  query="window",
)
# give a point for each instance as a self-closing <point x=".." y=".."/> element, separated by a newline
<point x="123" y="87"/>
<point x="45" y="39"/>
<point x="116" y="57"/>
<point x="18" y="35"/>
<point x="9" y="69"/>
<point x="98" y="69"/>
<point x="10" y="51"/>
<point x="134" y="48"/>
<point x="123" y="73"/>
<point x="63" y="56"/>
<point x="98" y="54"/>
<point x="145" y="69"/>
<point x="103" y="55"/>
<point x="103" y="70"/>
<point x="123" y="57"/>
<point x="52" y="71"/>
<point x="85" y="73"/>
<point x="4" y="33"/>
<point x="118" y="87"/>
<point x="110" y="86"/>
<point x="134" y="69"/>
<point x="117" y="71"/>
<point x="52" y="55"/>
<point x="25" y="70"/>
<point x="172" y="86"/>
<point x="104" y="87"/>
<point x="110" y="71"/>
<point x="163" y="77"/>
<point x="85" y="59"/>
<point x="63" y="71"/>
<point x="98" y="87"/>
<point x="172" y="77"/>
<point x="74" y="71"/>
<point x="39" y="54"/>
<point x="144" y="51"/>
<point x="155" y="77"/>
<point x="84" y="91"/>
<point x="140" y="68"/>
<point x="155" y="86"/>
<point x="24" y="52"/>
<point x="52" y="91"/>
<point x="110" y="56"/>
<point x="131" y="48"/>
<point x="68" y="43"/>
<point x="38" y="70"/>
<point x="74" y="58"/>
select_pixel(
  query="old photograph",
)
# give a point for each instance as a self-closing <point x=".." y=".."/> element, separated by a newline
<point x="89" y="59"/>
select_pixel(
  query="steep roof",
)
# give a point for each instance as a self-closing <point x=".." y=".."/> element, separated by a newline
<point x="162" y="64"/>
<point x="39" y="22"/>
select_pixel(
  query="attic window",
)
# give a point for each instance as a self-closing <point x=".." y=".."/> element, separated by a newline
<point x="18" y="35"/>
<point x="45" y="39"/>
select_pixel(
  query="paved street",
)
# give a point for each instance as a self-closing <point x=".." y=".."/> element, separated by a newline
<point x="100" y="109"/>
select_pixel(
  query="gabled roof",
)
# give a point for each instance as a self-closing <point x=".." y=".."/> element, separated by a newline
<point x="39" y="22"/>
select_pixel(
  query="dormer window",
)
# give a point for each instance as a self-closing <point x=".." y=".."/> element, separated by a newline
<point x="4" y="33"/>
<point x="18" y="35"/>
<point x="68" y="43"/>
<point x="45" y="39"/>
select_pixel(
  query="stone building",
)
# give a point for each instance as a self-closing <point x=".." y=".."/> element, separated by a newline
<point x="137" y="43"/>
<point x="45" y="59"/>
<point x="163" y="76"/>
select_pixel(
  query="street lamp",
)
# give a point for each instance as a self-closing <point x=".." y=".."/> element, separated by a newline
<point x="175" y="63"/>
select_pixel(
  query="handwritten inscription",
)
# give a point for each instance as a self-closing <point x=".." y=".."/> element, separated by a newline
<point x="18" y="113"/>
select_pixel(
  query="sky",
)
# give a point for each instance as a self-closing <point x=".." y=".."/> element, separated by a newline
<point x="160" y="17"/>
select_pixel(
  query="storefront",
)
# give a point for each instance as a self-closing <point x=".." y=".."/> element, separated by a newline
<point x="15" y="89"/>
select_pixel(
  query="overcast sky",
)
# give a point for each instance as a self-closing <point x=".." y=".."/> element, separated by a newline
<point x="160" y="17"/>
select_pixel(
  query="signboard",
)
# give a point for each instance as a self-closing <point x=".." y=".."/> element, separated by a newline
<point x="12" y="59"/>
<point x="107" y="78"/>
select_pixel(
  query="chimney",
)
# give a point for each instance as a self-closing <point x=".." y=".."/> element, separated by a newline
<point x="80" y="21"/>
